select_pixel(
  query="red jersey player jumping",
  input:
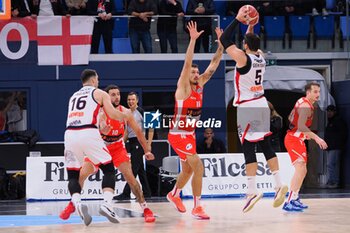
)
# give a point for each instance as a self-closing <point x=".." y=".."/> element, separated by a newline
<point x="188" y="106"/>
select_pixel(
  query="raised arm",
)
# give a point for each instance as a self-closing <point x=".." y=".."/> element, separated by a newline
<point x="183" y="84"/>
<point x="226" y="39"/>
<point x="215" y="61"/>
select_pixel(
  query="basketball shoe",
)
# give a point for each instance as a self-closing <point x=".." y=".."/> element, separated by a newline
<point x="84" y="214"/>
<point x="177" y="202"/>
<point x="251" y="201"/>
<point x="299" y="204"/>
<point x="148" y="215"/>
<point x="290" y="207"/>
<point x="65" y="214"/>
<point x="107" y="211"/>
<point x="199" y="213"/>
<point x="280" y="196"/>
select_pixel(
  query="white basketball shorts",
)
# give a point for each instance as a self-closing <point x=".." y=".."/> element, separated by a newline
<point x="84" y="142"/>
<point x="253" y="120"/>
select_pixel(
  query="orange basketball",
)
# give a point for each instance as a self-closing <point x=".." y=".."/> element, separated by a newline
<point x="253" y="15"/>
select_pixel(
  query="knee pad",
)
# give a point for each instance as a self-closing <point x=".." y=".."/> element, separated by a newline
<point x="249" y="152"/>
<point x="73" y="182"/>
<point x="266" y="148"/>
<point x="108" y="180"/>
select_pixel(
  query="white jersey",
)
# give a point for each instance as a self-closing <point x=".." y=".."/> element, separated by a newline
<point x="249" y="80"/>
<point x="83" y="109"/>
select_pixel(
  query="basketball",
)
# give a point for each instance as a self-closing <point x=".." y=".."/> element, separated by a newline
<point x="252" y="13"/>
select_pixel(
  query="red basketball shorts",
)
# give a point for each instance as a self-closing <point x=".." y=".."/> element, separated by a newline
<point x="296" y="148"/>
<point x="183" y="144"/>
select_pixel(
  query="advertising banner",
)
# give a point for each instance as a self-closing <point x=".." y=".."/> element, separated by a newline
<point x="224" y="175"/>
<point x="47" y="180"/>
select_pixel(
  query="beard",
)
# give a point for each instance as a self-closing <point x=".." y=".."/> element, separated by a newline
<point x="115" y="105"/>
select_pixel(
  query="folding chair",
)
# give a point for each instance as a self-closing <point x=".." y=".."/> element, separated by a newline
<point x="274" y="28"/>
<point x="299" y="29"/>
<point x="170" y="169"/>
<point x="324" y="28"/>
<point x="343" y="32"/>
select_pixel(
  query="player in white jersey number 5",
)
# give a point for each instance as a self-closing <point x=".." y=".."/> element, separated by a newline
<point x="82" y="138"/>
<point x="253" y="114"/>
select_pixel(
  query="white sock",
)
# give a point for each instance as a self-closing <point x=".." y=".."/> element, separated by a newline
<point x="293" y="195"/>
<point x="143" y="205"/>
<point x="108" y="197"/>
<point x="197" y="201"/>
<point x="277" y="177"/>
<point x="76" y="198"/>
<point x="251" y="185"/>
<point x="176" y="191"/>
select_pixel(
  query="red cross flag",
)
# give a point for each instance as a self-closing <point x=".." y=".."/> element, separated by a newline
<point x="64" y="40"/>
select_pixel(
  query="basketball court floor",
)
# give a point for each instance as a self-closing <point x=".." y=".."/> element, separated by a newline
<point x="326" y="213"/>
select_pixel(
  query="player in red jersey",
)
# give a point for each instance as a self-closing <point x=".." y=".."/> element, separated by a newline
<point x="188" y="107"/>
<point x="300" y="121"/>
<point x="112" y="132"/>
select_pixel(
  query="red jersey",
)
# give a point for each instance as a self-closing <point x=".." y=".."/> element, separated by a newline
<point x="294" y="117"/>
<point x="187" y="112"/>
<point x="117" y="131"/>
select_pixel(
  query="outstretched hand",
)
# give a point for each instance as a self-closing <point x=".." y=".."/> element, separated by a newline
<point x="192" y="29"/>
<point x="218" y="32"/>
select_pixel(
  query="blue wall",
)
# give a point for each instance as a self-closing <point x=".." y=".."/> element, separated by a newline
<point x="48" y="97"/>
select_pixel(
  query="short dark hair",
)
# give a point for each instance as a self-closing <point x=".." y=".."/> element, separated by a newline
<point x="309" y="86"/>
<point x="195" y="65"/>
<point x="87" y="74"/>
<point x="111" y="87"/>
<point x="253" y="41"/>
<point x="134" y="93"/>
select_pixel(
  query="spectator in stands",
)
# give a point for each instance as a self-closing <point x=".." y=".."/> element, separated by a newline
<point x="76" y="7"/>
<point x="166" y="26"/>
<point x="140" y="24"/>
<point x="20" y="8"/>
<point x="340" y="6"/>
<point x="292" y="7"/>
<point x="104" y="24"/>
<point x="319" y="6"/>
<point x="276" y="124"/>
<point x="233" y="7"/>
<point x="335" y="137"/>
<point x="5" y="106"/>
<point x="210" y="144"/>
<point x="266" y="8"/>
<point x="202" y="7"/>
<point x="48" y="7"/>
<point x="16" y="119"/>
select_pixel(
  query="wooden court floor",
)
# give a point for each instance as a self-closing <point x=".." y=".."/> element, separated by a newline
<point x="323" y="215"/>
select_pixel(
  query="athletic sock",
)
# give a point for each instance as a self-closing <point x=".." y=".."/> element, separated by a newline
<point x="176" y="191"/>
<point x="277" y="177"/>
